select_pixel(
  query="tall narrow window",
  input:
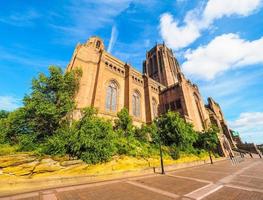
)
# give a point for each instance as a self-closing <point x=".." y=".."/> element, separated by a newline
<point x="154" y="108"/>
<point x="136" y="104"/>
<point x="111" y="97"/>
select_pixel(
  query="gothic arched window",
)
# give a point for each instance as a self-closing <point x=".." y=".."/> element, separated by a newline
<point x="136" y="104"/>
<point x="111" y="96"/>
<point x="154" y="108"/>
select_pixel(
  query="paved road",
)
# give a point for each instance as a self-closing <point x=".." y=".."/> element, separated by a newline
<point x="223" y="180"/>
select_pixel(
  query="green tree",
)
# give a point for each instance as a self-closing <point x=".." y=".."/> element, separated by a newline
<point x="123" y="123"/>
<point x="50" y="101"/>
<point x="174" y="131"/>
<point x="144" y="133"/>
<point x="209" y="140"/>
<point x="45" y="110"/>
<point x="13" y="125"/>
<point x="3" y="114"/>
<point x="94" y="138"/>
<point x="3" y="126"/>
<point x="60" y="143"/>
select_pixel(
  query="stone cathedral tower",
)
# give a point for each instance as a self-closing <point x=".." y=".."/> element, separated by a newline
<point x="161" y="65"/>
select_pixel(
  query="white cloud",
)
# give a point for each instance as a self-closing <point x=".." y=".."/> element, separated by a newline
<point x="113" y="38"/>
<point x="179" y="36"/>
<point x="216" y="9"/>
<point x="175" y="36"/>
<point x="250" y="126"/>
<point x="9" y="103"/>
<point x="224" y="52"/>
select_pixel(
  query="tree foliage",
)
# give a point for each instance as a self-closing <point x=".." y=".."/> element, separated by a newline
<point x="50" y="101"/>
<point x="14" y="125"/>
<point x="208" y="139"/>
<point x="93" y="140"/>
<point x="3" y="114"/>
<point x="173" y="130"/>
<point x="44" y="110"/>
<point x="123" y="123"/>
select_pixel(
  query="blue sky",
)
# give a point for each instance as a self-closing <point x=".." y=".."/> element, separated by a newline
<point x="219" y="44"/>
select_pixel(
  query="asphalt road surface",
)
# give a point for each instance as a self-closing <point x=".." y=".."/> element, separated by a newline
<point x="223" y="180"/>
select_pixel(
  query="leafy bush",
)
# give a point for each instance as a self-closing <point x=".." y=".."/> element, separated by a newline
<point x="6" y="149"/>
<point x="93" y="140"/>
<point x="55" y="145"/>
<point x="146" y="133"/>
<point x="3" y="131"/>
<point x="175" y="131"/>
<point x="3" y="114"/>
<point x="174" y="152"/>
<point x="124" y="123"/>
<point x="14" y="125"/>
<point x="27" y="142"/>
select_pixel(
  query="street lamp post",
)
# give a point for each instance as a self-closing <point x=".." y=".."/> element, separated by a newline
<point x="160" y="147"/>
<point x="161" y="156"/>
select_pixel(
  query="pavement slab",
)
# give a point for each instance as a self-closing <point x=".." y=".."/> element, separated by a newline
<point x="227" y="193"/>
<point x="204" y="175"/>
<point x="174" y="185"/>
<point x="118" y="191"/>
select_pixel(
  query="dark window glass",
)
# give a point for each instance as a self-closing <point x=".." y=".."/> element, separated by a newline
<point x="167" y="107"/>
<point x="172" y="105"/>
<point x="178" y="103"/>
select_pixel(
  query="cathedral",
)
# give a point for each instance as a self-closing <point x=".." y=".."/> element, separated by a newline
<point x="110" y="84"/>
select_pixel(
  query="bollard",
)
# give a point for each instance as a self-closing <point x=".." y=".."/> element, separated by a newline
<point x="259" y="155"/>
<point x="251" y="155"/>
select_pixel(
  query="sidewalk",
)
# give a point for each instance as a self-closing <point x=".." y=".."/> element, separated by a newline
<point x="11" y="187"/>
<point x="220" y="181"/>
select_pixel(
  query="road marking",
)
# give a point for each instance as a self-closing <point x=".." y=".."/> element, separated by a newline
<point x="201" y="188"/>
<point x="227" y="179"/>
<point x="212" y="172"/>
<point x="205" y="191"/>
<point x="248" y="176"/>
<point x="77" y="187"/>
<point x="189" y="178"/>
<point x="244" y="188"/>
<point x="169" y="194"/>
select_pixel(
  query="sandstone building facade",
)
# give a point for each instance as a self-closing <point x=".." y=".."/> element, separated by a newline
<point x="110" y="84"/>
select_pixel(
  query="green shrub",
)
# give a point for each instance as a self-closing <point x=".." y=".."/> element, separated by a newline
<point x="27" y="142"/>
<point x="3" y="132"/>
<point x="6" y="149"/>
<point x="93" y="138"/>
<point x="174" y="152"/>
<point x="55" y="145"/>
